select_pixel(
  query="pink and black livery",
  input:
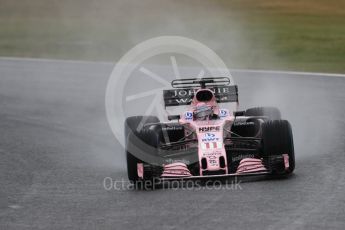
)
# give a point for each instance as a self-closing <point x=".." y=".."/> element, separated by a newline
<point x="208" y="140"/>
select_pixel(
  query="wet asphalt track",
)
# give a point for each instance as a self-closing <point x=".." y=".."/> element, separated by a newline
<point x="56" y="148"/>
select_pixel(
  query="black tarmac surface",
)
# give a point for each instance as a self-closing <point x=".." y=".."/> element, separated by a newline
<point x="56" y="148"/>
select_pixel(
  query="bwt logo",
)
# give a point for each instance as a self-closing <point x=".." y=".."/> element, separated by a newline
<point x="223" y="113"/>
<point x="209" y="129"/>
<point x="189" y="115"/>
<point x="210" y="137"/>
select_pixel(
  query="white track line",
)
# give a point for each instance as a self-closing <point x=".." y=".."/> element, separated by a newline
<point x="288" y="72"/>
<point x="231" y="70"/>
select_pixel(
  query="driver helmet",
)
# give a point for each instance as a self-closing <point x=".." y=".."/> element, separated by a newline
<point x="202" y="111"/>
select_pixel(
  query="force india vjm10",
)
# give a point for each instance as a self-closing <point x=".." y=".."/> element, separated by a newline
<point x="207" y="140"/>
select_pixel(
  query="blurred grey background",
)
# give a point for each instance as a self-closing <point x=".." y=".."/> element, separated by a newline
<point x="306" y="35"/>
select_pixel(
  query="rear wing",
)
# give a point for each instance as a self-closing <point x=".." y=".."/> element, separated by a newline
<point x="200" y="82"/>
<point x="184" y="96"/>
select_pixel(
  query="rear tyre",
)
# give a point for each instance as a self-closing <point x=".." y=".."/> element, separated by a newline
<point x="277" y="140"/>
<point x="271" y="112"/>
<point x="134" y="133"/>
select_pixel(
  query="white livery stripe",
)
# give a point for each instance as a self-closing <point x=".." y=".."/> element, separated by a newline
<point x="219" y="145"/>
<point x="203" y="146"/>
<point x="211" y="145"/>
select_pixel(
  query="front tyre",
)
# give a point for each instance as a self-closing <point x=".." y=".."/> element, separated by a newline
<point x="277" y="140"/>
<point x="136" y="139"/>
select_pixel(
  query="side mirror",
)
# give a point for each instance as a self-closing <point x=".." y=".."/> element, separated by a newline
<point x="174" y="117"/>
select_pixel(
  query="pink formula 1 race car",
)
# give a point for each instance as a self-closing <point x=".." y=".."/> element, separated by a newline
<point x="207" y="140"/>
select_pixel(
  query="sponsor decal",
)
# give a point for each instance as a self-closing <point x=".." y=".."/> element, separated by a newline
<point x="223" y="113"/>
<point x="171" y="161"/>
<point x="210" y="137"/>
<point x="242" y="156"/>
<point x="169" y="128"/>
<point x="184" y="101"/>
<point x="185" y="96"/>
<point x="209" y="129"/>
<point x="241" y="123"/>
<point x="183" y="92"/>
<point x="213" y="153"/>
<point x="213" y="162"/>
<point x="188" y="115"/>
<point x="180" y="93"/>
